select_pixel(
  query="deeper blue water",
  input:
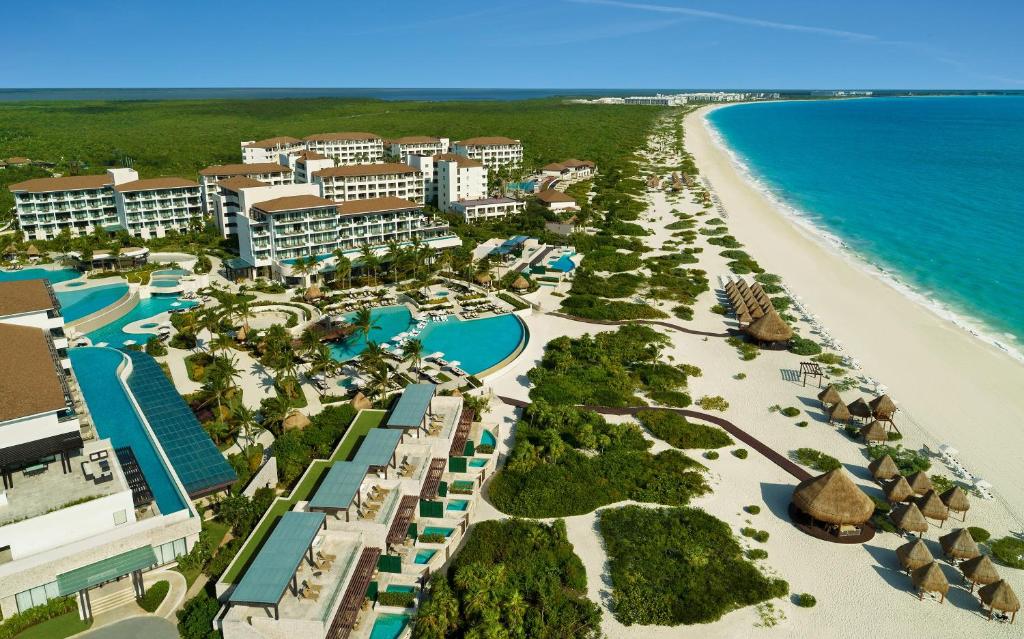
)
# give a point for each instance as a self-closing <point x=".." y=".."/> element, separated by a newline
<point x="54" y="275"/>
<point x="929" y="189"/>
<point x="76" y="304"/>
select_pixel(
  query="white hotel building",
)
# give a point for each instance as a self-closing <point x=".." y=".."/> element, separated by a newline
<point x="401" y="148"/>
<point x="350" y="147"/>
<point x="462" y="189"/>
<point x="115" y="200"/>
<point x="305" y="163"/>
<point x="364" y="181"/>
<point x="266" y="172"/>
<point x="494" y="151"/>
<point x="269" y="150"/>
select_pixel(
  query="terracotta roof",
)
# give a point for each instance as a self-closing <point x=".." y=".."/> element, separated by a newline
<point x="374" y="204"/>
<point x="416" y="139"/>
<point x="293" y="203"/>
<point x="344" y="135"/>
<point x="487" y="141"/>
<point x="153" y="184"/>
<point x="573" y="163"/>
<point x="239" y="182"/>
<point x="67" y="183"/>
<point x="311" y="155"/>
<point x="29" y="382"/>
<point x="365" y="169"/>
<point x="270" y="143"/>
<point x="24" y="296"/>
<point x="245" y="169"/>
<point x="455" y="157"/>
<point x="552" y="196"/>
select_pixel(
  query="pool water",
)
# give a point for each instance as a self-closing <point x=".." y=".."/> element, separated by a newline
<point x="115" y="418"/>
<point x="476" y="344"/>
<point x="74" y="284"/>
<point x="164" y="283"/>
<point x="487" y="438"/>
<point x="149" y="325"/>
<point x="477" y="463"/>
<point x="77" y="304"/>
<point x="171" y="271"/>
<point x="423" y="556"/>
<point x="459" y="505"/>
<point x="400" y="588"/>
<point x="435" y="530"/>
<point x="389" y="626"/>
<point x="441" y="294"/>
<point x="113" y="334"/>
<point x="54" y="275"/>
<point x="563" y="264"/>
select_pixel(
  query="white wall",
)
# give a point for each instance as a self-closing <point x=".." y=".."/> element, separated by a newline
<point x="33" y="428"/>
<point x="67" y="525"/>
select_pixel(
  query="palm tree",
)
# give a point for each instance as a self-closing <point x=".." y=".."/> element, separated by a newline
<point x="370" y="260"/>
<point x="414" y="350"/>
<point x="304" y="267"/>
<point x="210" y="321"/>
<point x="309" y="341"/>
<point x="363" y="323"/>
<point x="322" y="362"/>
<point x="372" y="357"/>
<point x="417" y="253"/>
<point x="246" y="418"/>
<point x="221" y="342"/>
<point x="394" y="254"/>
<point x="380" y="380"/>
<point x="342" y="267"/>
<point x="275" y="409"/>
<point x="219" y="381"/>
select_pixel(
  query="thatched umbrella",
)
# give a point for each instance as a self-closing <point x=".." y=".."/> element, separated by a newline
<point x="360" y="402"/>
<point x="909" y="518"/>
<point x="242" y="333"/>
<point x="932" y="507"/>
<point x="883" y="468"/>
<point x="898" y="490"/>
<point x="770" y="328"/>
<point x="874" y="432"/>
<point x="913" y="555"/>
<point x="756" y="312"/>
<point x="859" y="408"/>
<point x="829" y="396"/>
<point x="979" y="570"/>
<point x="756" y="288"/>
<point x="956" y="500"/>
<point x="959" y="544"/>
<point x="743" y="317"/>
<point x="740" y="307"/>
<point x="742" y="285"/>
<point x="1000" y="596"/>
<point x="882" y="407"/>
<point x="295" y="420"/>
<point x="838" y="413"/>
<point x="520" y="284"/>
<point x="834" y="499"/>
<point x="313" y="293"/>
<point x="930" y="578"/>
<point x="32" y="251"/>
<point x="919" y="482"/>
<point x="482" y="278"/>
<point x="11" y="249"/>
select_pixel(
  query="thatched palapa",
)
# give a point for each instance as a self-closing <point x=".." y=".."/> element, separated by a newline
<point x="830" y="396"/>
<point x="833" y="498"/>
<point x="839" y="413"/>
<point x="859" y="408"/>
<point x="909" y="518"/>
<point x="959" y="544"/>
<point x="882" y="407"/>
<point x="913" y="555"/>
<point x="1000" y="596"/>
<point x="979" y="570"/>
<point x="874" y="432"/>
<point x="520" y="283"/>
<point x="932" y="507"/>
<point x="32" y="251"/>
<point x="898" y="490"/>
<point x="930" y="578"/>
<point x="919" y="482"/>
<point x="770" y="328"/>
<point x="295" y="420"/>
<point x="956" y="500"/>
<point x="883" y="468"/>
<point x="482" y="278"/>
<point x="313" y="293"/>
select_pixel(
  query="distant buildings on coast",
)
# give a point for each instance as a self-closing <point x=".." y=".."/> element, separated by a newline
<point x="682" y="99"/>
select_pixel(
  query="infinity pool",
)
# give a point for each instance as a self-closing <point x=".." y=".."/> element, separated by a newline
<point x="476" y="344"/>
<point x="487" y="438"/>
<point x="563" y="264"/>
<point x="54" y="275"/>
<point x="389" y="626"/>
<point x="113" y="333"/>
<point x="77" y="304"/>
<point x="115" y="418"/>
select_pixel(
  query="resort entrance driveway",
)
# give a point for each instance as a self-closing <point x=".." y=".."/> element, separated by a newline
<point x="149" y="627"/>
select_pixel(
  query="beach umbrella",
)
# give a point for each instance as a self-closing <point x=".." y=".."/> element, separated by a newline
<point x="913" y="555"/>
<point x="909" y="518"/>
<point x="859" y="408"/>
<point x="959" y="544"/>
<point x="742" y="284"/>
<point x="295" y="420"/>
<point x="874" y="432"/>
<point x="930" y="578"/>
<point x="838" y="413"/>
<point x="956" y="500"/>
<point x="833" y="498"/>
<point x="770" y="328"/>
<point x="883" y="468"/>
<point x="129" y="342"/>
<point x="882" y="407"/>
<point x="743" y="317"/>
<point x="829" y="396"/>
<point x="999" y="596"/>
<point x="898" y="490"/>
<point x="454" y="363"/>
<point x="520" y="283"/>
<point x="756" y="288"/>
<point x="932" y="507"/>
<point x="756" y="312"/>
<point x="919" y="482"/>
<point x="979" y="570"/>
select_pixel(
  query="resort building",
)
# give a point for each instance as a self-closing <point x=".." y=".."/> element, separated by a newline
<point x="484" y="209"/>
<point x="364" y="181"/>
<point x="401" y="148"/>
<point x="382" y="522"/>
<point x="458" y="178"/>
<point x="238" y="194"/>
<point x="266" y="172"/>
<point x="305" y="163"/>
<point x="116" y="200"/>
<point x="426" y="165"/>
<point x="570" y="171"/>
<point x="350" y="147"/>
<point x="494" y="151"/>
<point x="33" y="303"/>
<point x="556" y="200"/>
<point x="266" y="151"/>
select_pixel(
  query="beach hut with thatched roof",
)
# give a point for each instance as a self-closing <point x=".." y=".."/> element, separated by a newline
<point x="242" y="333"/>
<point x="958" y="544"/>
<point x="756" y="312"/>
<point x="883" y="468"/>
<point x="898" y="490"/>
<point x="913" y="555"/>
<point x="979" y="570"/>
<point x="520" y="283"/>
<point x="32" y="251"/>
<point x="482" y="279"/>
<point x="919" y="482"/>
<point x="11" y="250"/>
<point x="770" y="328"/>
<point x="932" y="507"/>
<point x="908" y="517"/>
<point x="830" y="396"/>
<point x="930" y="578"/>
<point x="833" y="502"/>
<point x="956" y="500"/>
<point x="998" y="595"/>
<point x="859" y="409"/>
<point x="743" y="317"/>
<point x="295" y="420"/>
<point x="313" y="293"/>
<point x="360" y="402"/>
<point x="874" y="432"/>
<point x="882" y="407"/>
<point x="838" y="413"/>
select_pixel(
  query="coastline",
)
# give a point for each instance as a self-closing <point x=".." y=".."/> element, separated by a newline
<point x="952" y="386"/>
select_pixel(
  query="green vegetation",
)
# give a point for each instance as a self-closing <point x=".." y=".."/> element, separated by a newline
<point x="599" y="308"/>
<point x="754" y="554"/>
<point x="65" y="625"/>
<point x="805" y="600"/>
<point x="56" y="618"/>
<point x="816" y="459"/>
<point x="676" y="399"/>
<point x="753" y="509"/>
<point x="678" y="566"/>
<point x="677" y="431"/>
<point x="617" y="285"/>
<point x="979" y="534"/>
<point x="790" y="411"/>
<point x="740" y="453"/>
<point x="711" y="454"/>
<point x="400" y="599"/>
<point x="154" y="596"/>
<point x="1009" y="551"/>
<point x="907" y="460"/>
<point x="508" y="299"/>
<point x="511" y="579"/>
<point x="713" y="402"/>
<point x="195" y="619"/>
<point x="803" y="346"/>
<point x="746" y="350"/>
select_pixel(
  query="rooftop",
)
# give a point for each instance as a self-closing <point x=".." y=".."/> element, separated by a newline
<point x="24" y="296"/>
<point x="239" y="182"/>
<point x="365" y="169"/>
<point x="552" y="196"/>
<point x="412" y="406"/>
<point x="245" y="169"/>
<point x="66" y="183"/>
<point x="493" y="140"/>
<point x="488" y="200"/>
<point x="375" y="204"/>
<point x="342" y="136"/>
<point x="270" y="573"/>
<point x="416" y="139"/>
<point x="30" y="383"/>
<point x="462" y="160"/>
<point x="311" y="155"/>
<point x="294" y="203"/>
<point x="152" y="184"/>
<point x="270" y="143"/>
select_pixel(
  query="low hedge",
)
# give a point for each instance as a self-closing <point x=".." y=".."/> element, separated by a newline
<point x="400" y="599"/>
<point x="154" y="596"/>
<point x="18" y="623"/>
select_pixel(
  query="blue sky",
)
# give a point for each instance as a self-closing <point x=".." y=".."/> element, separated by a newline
<point x="527" y="44"/>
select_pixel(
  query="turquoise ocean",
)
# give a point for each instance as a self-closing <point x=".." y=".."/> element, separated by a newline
<point x="928" y="192"/>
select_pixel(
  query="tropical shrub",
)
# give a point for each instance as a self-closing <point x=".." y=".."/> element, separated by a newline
<point x="805" y="600"/>
<point x="740" y="453"/>
<point x="803" y="346"/>
<point x="400" y="599"/>
<point x="676" y="399"/>
<point x="1009" y="551"/>
<point x="753" y="509"/>
<point x="713" y="402"/>
<point x="678" y="432"/>
<point x="816" y="459"/>
<point x="195" y="619"/>
<point x="979" y="534"/>
<point x="909" y="461"/>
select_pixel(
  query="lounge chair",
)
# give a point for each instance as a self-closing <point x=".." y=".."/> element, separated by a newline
<point x="308" y="593"/>
<point x="326" y="555"/>
<point x="311" y="586"/>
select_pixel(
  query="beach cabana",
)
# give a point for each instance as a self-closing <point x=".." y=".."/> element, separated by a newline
<point x="959" y="544"/>
<point x="295" y="420"/>
<point x="909" y="518"/>
<point x="833" y="504"/>
<point x="883" y="468"/>
<point x="838" y="413"/>
<point x="930" y="578"/>
<point x="520" y="284"/>
<point x="829" y="396"/>
<point x="874" y="432"/>
<point x="979" y="570"/>
<point x="919" y="482"/>
<point x="859" y="409"/>
<point x="770" y="329"/>
<point x="756" y="312"/>
<point x="882" y="407"/>
<point x="914" y="554"/>
<point x="932" y="507"/>
<point x="32" y="251"/>
<point x="898" y="490"/>
<point x="483" y="279"/>
<point x="999" y="596"/>
<point x="956" y="500"/>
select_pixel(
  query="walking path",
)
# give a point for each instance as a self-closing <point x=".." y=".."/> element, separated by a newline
<point x="675" y="327"/>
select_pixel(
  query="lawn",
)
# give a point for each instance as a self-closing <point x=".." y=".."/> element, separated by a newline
<point x="366" y="420"/>
<point x="57" y="628"/>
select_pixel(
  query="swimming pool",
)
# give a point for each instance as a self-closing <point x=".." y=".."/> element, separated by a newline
<point x="54" y="275"/>
<point x="487" y="438"/>
<point x="477" y="463"/>
<point x="164" y="283"/>
<point x="115" y="418"/>
<point x="389" y="626"/>
<point x="459" y="505"/>
<point x="436" y="530"/>
<point x="476" y="344"/>
<point x="400" y="588"/>
<point x="171" y="271"/>
<point x="441" y="294"/>
<point x="528" y="185"/>
<point x="77" y="304"/>
<point x="563" y="264"/>
<point x="113" y="333"/>
<point x="423" y="556"/>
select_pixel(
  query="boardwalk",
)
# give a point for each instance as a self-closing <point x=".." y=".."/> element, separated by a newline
<point x="675" y="327"/>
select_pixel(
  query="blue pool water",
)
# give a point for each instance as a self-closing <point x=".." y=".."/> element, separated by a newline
<point x="164" y="283"/>
<point x="75" y="284"/>
<point x="926" y="188"/>
<point x="441" y="294"/>
<point x="487" y="438"/>
<point x="423" y="556"/>
<point x="476" y="344"/>
<point x="113" y="334"/>
<point x="400" y="588"/>
<point x="389" y="626"/>
<point x="171" y="271"/>
<point x="477" y="463"/>
<point x="435" y="530"/>
<point x="563" y="264"/>
<point x="459" y="505"/>
<point x="115" y="418"/>
<point x="528" y="186"/>
<point x="54" y="275"/>
<point x="77" y="304"/>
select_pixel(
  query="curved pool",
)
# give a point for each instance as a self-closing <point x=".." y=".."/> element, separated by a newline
<point x="77" y="304"/>
<point x="114" y="334"/>
<point x="74" y="284"/>
<point x="164" y="283"/>
<point x="54" y="275"/>
<point x="476" y="344"/>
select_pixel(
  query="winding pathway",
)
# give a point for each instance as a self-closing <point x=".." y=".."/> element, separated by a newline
<point x="675" y="327"/>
